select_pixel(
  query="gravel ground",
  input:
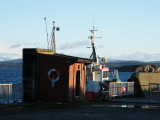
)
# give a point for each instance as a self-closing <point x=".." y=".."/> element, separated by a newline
<point x="78" y="111"/>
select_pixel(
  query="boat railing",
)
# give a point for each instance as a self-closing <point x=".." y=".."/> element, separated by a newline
<point x="120" y="89"/>
<point x="10" y="93"/>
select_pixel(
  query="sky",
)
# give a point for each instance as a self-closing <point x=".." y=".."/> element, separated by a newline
<point x="129" y="29"/>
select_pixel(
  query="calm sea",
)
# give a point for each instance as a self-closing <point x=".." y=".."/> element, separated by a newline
<point x="14" y="75"/>
<point x="10" y="75"/>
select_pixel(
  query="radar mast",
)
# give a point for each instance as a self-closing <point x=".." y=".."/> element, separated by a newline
<point x="92" y="37"/>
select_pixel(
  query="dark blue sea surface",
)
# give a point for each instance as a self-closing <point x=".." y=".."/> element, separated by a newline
<point x="11" y="93"/>
<point x="124" y="76"/>
<point x="14" y="75"/>
<point x="11" y="75"/>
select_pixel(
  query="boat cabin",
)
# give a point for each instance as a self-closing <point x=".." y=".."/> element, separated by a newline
<point x="97" y="73"/>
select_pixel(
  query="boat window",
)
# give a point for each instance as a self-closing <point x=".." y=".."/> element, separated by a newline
<point x="105" y="74"/>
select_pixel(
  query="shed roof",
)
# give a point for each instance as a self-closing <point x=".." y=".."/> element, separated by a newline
<point x="50" y="52"/>
<point x="78" y="59"/>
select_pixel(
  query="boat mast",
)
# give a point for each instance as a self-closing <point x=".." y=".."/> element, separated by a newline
<point x="92" y="37"/>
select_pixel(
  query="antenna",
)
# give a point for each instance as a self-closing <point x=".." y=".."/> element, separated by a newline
<point x="46" y="33"/>
<point x="51" y="43"/>
<point x="54" y="36"/>
<point x="93" y="21"/>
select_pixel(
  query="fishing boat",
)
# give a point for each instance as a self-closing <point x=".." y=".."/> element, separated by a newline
<point x="98" y="75"/>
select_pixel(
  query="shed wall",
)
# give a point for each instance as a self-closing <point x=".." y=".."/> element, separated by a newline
<point x="45" y="90"/>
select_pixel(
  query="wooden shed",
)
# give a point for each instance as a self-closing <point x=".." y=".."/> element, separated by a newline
<point x="53" y="77"/>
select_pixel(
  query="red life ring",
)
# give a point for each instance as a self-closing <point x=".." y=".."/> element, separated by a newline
<point x="49" y="73"/>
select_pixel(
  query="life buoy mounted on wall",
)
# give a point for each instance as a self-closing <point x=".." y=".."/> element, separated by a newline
<point x="53" y="80"/>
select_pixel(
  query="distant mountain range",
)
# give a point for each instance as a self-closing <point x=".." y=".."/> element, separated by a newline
<point x="121" y="65"/>
<point x="17" y="63"/>
<point x="129" y="66"/>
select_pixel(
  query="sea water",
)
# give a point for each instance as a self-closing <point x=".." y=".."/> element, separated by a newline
<point x="124" y="76"/>
<point x="10" y="75"/>
<point x="11" y="93"/>
<point x="14" y="76"/>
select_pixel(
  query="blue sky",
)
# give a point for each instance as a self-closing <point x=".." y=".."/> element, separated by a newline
<point x="130" y="29"/>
